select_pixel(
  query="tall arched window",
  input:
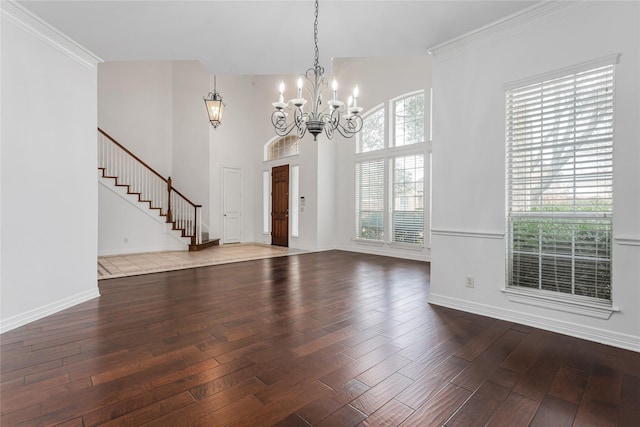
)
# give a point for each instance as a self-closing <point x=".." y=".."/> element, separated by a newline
<point x="389" y="169"/>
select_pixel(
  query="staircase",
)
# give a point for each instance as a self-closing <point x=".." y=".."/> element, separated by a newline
<point x="153" y="190"/>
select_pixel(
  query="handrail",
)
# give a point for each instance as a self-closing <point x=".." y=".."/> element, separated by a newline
<point x="132" y="155"/>
<point x="126" y="168"/>
<point x="148" y="167"/>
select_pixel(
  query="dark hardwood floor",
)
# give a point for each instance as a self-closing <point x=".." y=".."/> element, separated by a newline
<point x="324" y="339"/>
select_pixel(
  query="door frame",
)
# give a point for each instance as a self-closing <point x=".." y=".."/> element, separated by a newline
<point x="288" y="190"/>
<point x="222" y="207"/>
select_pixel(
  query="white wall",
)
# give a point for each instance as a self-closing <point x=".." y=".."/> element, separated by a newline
<point x="155" y="109"/>
<point x="135" y="107"/>
<point x="190" y="140"/>
<point x="308" y="188"/>
<point x="48" y="172"/>
<point x="327" y="224"/>
<point x="237" y="143"/>
<point x="379" y="80"/>
<point x="469" y="77"/>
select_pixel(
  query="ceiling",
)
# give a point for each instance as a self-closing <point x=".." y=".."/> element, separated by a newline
<point x="264" y="37"/>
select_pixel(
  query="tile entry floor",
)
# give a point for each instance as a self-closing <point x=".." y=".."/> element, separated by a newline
<point x="153" y="262"/>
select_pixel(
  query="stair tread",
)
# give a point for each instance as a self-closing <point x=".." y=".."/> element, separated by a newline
<point x="174" y="224"/>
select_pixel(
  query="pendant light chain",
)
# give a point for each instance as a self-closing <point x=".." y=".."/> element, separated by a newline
<point x="315" y="37"/>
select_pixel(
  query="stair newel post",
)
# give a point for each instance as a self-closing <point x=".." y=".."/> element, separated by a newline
<point x="194" y="238"/>
<point x="169" y="214"/>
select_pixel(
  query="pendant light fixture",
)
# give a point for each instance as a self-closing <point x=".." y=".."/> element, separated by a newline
<point x="215" y="106"/>
<point x="332" y="116"/>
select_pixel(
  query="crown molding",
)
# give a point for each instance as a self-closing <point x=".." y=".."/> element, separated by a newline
<point x="12" y="12"/>
<point x="506" y="27"/>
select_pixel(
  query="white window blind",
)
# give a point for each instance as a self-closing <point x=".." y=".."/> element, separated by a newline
<point x="371" y="138"/>
<point x="370" y="200"/>
<point x="295" y="199"/>
<point x="407" y="199"/>
<point x="266" y="197"/>
<point x="559" y="136"/>
<point x="409" y="120"/>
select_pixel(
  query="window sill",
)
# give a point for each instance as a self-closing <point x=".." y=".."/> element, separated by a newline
<point x="409" y="246"/>
<point x="368" y="242"/>
<point x="554" y="301"/>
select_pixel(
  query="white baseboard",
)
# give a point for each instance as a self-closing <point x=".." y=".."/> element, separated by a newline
<point x="18" y="320"/>
<point x="616" y="339"/>
<point x="312" y="248"/>
<point x="387" y="251"/>
<point x="142" y="250"/>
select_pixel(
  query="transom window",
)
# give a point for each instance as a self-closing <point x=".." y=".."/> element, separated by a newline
<point x="559" y="136"/>
<point x="283" y="147"/>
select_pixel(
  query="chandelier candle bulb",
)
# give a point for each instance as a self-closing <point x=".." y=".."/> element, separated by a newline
<point x="299" y="87"/>
<point x="334" y="85"/>
<point x="356" y="92"/>
<point x="281" y="96"/>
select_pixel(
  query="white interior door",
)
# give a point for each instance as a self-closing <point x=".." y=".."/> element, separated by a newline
<point x="231" y="205"/>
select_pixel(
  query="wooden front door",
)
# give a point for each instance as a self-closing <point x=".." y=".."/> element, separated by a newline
<point x="280" y="206"/>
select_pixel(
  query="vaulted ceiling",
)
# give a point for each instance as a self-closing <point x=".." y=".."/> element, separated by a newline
<point x="264" y="37"/>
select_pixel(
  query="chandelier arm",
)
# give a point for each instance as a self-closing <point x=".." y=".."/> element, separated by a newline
<point x="328" y="130"/>
<point x="300" y="120"/>
<point x="279" y="121"/>
<point x="352" y="126"/>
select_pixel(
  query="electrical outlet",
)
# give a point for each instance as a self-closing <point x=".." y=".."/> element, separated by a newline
<point x="469" y="281"/>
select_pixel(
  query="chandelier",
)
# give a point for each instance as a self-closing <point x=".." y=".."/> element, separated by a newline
<point x="215" y="106"/>
<point x="334" y="116"/>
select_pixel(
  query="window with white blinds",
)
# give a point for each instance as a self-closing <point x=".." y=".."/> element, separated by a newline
<point x="295" y="199"/>
<point x="390" y="173"/>
<point x="370" y="200"/>
<point x="407" y="199"/>
<point x="559" y="137"/>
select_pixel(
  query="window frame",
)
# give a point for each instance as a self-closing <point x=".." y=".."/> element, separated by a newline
<point x="387" y="154"/>
<point x="393" y="111"/>
<point x="564" y="301"/>
<point x="276" y="140"/>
